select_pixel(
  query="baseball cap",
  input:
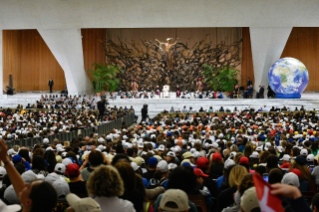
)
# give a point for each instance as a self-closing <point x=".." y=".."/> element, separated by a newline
<point x="280" y="149"/>
<point x="11" y="152"/>
<point x="310" y="158"/>
<point x="52" y="177"/>
<point x="187" y="155"/>
<point x="199" y="172"/>
<point x="73" y="169"/>
<point x="254" y="155"/>
<point x="301" y="160"/>
<point x="267" y="145"/>
<point x="9" y="208"/>
<point x="244" y="160"/>
<point x="291" y="179"/>
<point x="16" y="159"/>
<point x="11" y="196"/>
<point x="228" y="163"/>
<point x="162" y="166"/>
<point x="296" y="171"/>
<point x="134" y="166"/>
<point x="304" y="152"/>
<point x="62" y="188"/>
<point x="140" y="144"/>
<point x="214" y="144"/>
<point x="60" y="168"/>
<point x="139" y="161"/>
<point x="159" y="158"/>
<point x="46" y="141"/>
<point x="232" y="154"/>
<point x="161" y="148"/>
<point x="286" y="157"/>
<point x="28" y="176"/>
<point x="3" y="172"/>
<point x="249" y="200"/>
<point x="67" y="161"/>
<point x="100" y="140"/>
<point x="216" y="156"/>
<point x="172" y="166"/>
<point x="202" y="163"/>
<point x="171" y="154"/>
<point x="187" y="162"/>
<point x="84" y="204"/>
<point x="152" y="161"/>
<point x="176" y="198"/>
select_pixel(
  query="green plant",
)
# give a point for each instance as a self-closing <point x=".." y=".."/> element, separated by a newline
<point x="223" y="78"/>
<point x="105" y="75"/>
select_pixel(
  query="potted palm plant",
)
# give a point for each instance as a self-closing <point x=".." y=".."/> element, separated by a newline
<point x="105" y="76"/>
<point x="223" y="78"/>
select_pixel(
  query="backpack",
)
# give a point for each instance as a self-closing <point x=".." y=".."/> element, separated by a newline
<point x="155" y="183"/>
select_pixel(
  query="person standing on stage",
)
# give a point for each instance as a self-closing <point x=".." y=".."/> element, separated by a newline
<point x="157" y="90"/>
<point x="144" y="112"/>
<point x="178" y="91"/>
<point x="249" y="82"/>
<point x="101" y="108"/>
<point x="51" y="83"/>
<point x="199" y="85"/>
<point x="134" y="86"/>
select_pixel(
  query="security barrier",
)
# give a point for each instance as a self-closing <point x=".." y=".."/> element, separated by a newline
<point x="101" y="129"/>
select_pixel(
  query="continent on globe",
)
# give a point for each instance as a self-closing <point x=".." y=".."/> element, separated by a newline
<point x="288" y="78"/>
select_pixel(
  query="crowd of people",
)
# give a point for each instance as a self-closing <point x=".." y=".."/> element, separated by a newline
<point x="28" y="123"/>
<point x="162" y="163"/>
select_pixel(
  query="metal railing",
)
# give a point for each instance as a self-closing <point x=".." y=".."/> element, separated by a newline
<point x="101" y="129"/>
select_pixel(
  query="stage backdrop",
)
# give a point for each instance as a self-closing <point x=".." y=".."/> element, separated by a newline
<point x="31" y="63"/>
<point x="178" y="62"/>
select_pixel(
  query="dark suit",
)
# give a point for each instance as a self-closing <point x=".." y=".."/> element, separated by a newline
<point x="51" y="83"/>
<point x="101" y="108"/>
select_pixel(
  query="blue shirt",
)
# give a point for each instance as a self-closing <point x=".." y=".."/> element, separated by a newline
<point x="219" y="181"/>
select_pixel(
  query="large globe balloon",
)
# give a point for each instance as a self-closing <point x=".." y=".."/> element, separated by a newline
<point x="288" y="78"/>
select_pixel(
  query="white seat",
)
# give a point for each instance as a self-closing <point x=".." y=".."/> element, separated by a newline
<point x="165" y="92"/>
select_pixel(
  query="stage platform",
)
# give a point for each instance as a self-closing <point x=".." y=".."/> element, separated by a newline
<point x="308" y="100"/>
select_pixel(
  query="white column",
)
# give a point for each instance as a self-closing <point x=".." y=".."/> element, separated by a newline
<point x="267" y="45"/>
<point x="1" y="65"/>
<point x="66" y="46"/>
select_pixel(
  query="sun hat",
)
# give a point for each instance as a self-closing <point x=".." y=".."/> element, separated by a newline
<point x="84" y="204"/>
<point x="187" y="155"/>
<point x="139" y="161"/>
<point x="174" y="197"/>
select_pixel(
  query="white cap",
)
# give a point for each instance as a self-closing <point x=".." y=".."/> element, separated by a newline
<point x="286" y="157"/>
<point x="214" y="145"/>
<point x="140" y="144"/>
<point x="310" y="158"/>
<point x="228" y="163"/>
<point x="254" y="155"/>
<point x="172" y="166"/>
<point x="161" y="148"/>
<point x="84" y="204"/>
<point x="46" y="141"/>
<point x="11" y="196"/>
<point x="28" y="176"/>
<point x="62" y="188"/>
<point x="100" y="140"/>
<point x="171" y="154"/>
<point x="11" y="152"/>
<point x="291" y="179"/>
<point x="162" y="166"/>
<point x="134" y="166"/>
<point x="232" y="154"/>
<point x="67" y="161"/>
<point x="60" y="149"/>
<point x="267" y="145"/>
<point x="52" y="177"/>
<point x="304" y="152"/>
<point x="9" y="208"/>
<point x="60" y="168"/>
<point x="280" y="148"/>
<point x="3" y="172"/>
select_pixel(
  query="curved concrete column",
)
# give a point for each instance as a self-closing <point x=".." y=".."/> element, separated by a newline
<point x="267" y="45"/>
<point x="66" y="46"/>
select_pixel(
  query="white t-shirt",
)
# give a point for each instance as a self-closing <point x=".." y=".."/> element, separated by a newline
<point x="110" y="204"/>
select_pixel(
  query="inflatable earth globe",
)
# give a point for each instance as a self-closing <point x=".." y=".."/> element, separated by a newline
<point x="288" y="78"/>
